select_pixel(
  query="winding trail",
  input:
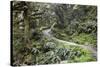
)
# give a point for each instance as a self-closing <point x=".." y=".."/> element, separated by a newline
<point x="47" y="33"/>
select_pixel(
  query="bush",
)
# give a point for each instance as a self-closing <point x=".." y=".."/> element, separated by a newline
<point x="63" y="53"/>
<point x="49" y="46"/>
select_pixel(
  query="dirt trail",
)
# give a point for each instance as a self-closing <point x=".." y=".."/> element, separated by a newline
<point x="47" y="33"/>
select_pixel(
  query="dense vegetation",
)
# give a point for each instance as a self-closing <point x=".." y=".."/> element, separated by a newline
<point x="49" y="33"/>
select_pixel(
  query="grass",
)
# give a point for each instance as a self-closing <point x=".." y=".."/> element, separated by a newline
<point x="85" y="55"/>
<point x="85" y="39"/>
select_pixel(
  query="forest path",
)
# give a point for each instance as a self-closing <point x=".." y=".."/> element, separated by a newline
<point x="87" y="47"/>
<point x="47" y="33"/>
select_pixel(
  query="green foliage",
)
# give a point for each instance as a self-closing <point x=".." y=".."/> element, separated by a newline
<point x="49" y="46"/>
<point x="63" y="53"/>
<point x="48" y="58"/>
<point x="85" y="39"/>
<point x="80" y="55"/>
